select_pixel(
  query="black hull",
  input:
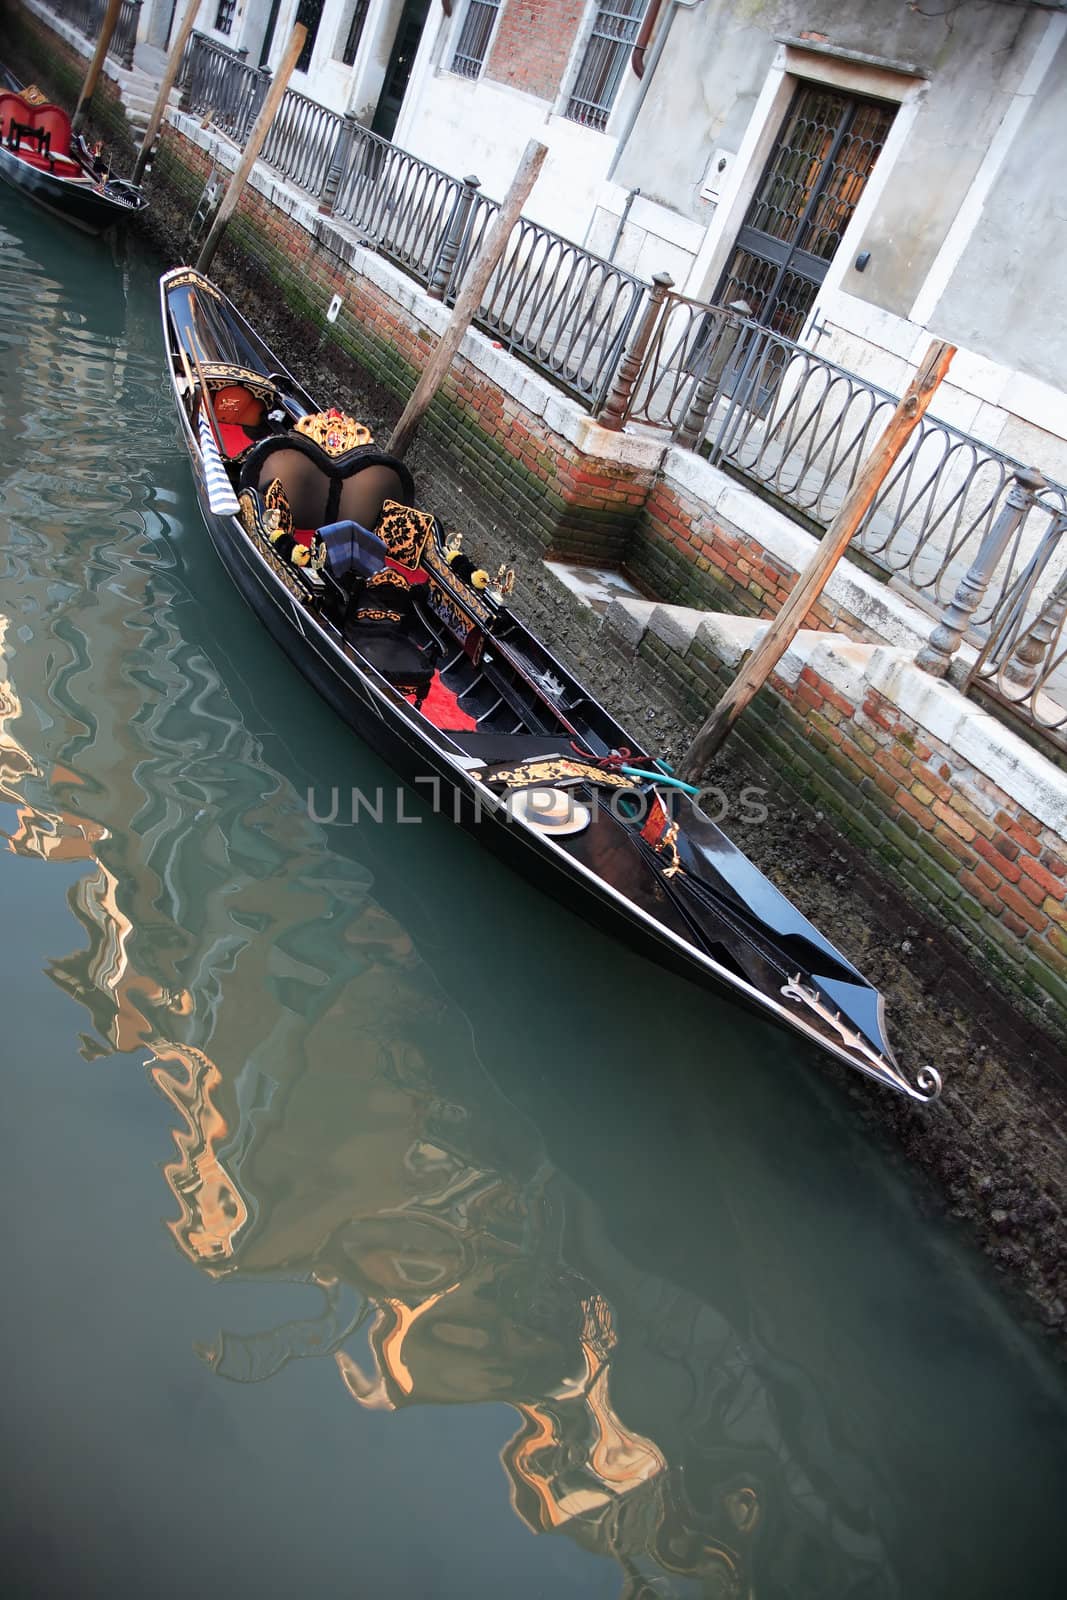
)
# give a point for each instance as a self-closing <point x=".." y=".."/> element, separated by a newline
<point x="707" y="914"/>
<point x="79" y="204"/>
<point x="416" y="761"/>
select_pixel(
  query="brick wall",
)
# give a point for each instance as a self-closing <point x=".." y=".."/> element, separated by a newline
<point x="533" y="44"/>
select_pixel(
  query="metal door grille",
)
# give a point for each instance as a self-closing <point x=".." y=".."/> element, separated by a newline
<point x="804" y="202"/>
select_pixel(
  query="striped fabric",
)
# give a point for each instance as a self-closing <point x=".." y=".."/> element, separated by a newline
<point x="220" y="495"/>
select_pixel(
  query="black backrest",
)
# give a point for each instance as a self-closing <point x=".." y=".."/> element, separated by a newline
<point x="322" y="489"/>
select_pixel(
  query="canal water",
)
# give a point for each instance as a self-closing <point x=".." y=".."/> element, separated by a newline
<point x="373" y="1228"/>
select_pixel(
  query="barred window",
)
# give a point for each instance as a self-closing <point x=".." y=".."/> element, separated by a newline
<point x="615" y="28"/>
<point x="474" y="36"/>
<point x="355" y="31"/>
<point x="224" y="16"/>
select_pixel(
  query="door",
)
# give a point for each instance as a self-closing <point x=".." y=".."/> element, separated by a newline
<point x="803" y="203"/>
<point x="401" y="60"/>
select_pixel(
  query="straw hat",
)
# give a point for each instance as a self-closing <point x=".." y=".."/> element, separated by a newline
<point x="551" y="811"/>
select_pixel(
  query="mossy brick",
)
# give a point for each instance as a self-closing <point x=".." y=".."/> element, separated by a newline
<point x="1054" y="987"/>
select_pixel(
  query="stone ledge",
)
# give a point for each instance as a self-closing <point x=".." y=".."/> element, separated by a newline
<point x="884" y="612"/>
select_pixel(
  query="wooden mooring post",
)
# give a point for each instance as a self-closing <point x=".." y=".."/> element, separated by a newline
<point x="170" y="72"/>
<point x="92" y="77"/>
<point x="259" y="133"/>
<point x="470" y="297"/>
<point x="757" y="668"/>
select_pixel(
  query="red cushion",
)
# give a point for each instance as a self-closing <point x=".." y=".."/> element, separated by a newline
<point x="234" y="438"/>
<point x="304" y="535"/>
<point x="61" y="168"/>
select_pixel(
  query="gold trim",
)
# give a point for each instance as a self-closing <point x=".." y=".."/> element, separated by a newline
<point x="563" y="770"/>
<point x="200" y="282"/>
<point x="334" y="431"/>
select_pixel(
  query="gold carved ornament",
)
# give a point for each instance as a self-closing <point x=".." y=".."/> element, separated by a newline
<point x="560" y="771"/>
<point x="334" y="431"/>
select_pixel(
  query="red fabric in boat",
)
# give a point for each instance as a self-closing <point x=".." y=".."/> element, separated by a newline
<point x="57" y="124"/>
<point x="234" y="438"/>
<point x="443" y="709"/>
<point x="412" y="574"/>
<point x="304" y="536"/>
<point x="60" y="166"/>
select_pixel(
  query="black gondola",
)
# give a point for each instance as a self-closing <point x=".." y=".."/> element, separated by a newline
<point x="420" y="654"/>
<point x="42" y="158"/>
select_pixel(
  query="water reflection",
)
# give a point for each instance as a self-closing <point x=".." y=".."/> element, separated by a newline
<point x="336" y="1128"/>
<point x="496" y="1161"/>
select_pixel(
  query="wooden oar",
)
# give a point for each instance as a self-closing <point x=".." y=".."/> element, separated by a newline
<point x="209" y="409"/>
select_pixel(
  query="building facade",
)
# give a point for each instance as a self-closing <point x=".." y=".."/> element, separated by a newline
<point x="866" y="174"/>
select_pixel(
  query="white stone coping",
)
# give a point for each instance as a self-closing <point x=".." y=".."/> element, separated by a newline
<point x="961" y="726"/>
<point x="885" y="613"/>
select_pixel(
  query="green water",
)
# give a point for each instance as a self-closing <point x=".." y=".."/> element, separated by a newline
<point x="373" y="1228"/>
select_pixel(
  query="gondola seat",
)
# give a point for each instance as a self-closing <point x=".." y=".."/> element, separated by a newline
<point x="323" y="490"/>
<point x="46" y="128"/>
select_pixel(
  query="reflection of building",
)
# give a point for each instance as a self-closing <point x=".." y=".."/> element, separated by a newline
<point x="336" y="1129"/>
<point x="452" y="1276"/>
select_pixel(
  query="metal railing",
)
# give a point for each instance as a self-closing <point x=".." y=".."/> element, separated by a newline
<point x="218" y="82"/>
<point x="953" y="524"/>
<point x="568" y="311"/>
<point x="88" y="17"/>
<point x="1023" y="664"/>
<point x="802" y="427"/>
<point x="565" y="309"/>
<point x="302" y="141"/>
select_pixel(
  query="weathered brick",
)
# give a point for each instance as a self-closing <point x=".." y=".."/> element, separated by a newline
<point x="1041" y="878"/>
<point x="953" y="820"/>
<point x="1022" y="907"/>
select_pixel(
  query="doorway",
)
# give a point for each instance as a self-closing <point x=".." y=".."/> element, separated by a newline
<point x="818" y="169"/>
<point x="398" y="71"/>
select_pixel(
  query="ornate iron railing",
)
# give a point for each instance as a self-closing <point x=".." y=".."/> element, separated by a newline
<point x="1023" y="664"/>
<point x="802" y="427"/>
<point x="400" y="204"/>
<point x="568" y="311"/>
<point x="565" y="309"/>
<point x="302" y="140"/>
<point x="88" y="17"/>
<point x="124" y="38"/>
<point x="218" y="82"/>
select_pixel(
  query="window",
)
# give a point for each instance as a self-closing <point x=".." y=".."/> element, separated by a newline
<point x="224" y="16"/>
<point x="309" y="12"/>
<point x="355" y="31"/>
<point x="615" y="28"/>
<point x="474" y="37"/>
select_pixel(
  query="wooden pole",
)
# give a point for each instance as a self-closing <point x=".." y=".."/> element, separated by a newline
<point x="470" y="297"/>
<point x="832" y="546"/>
<point x="174" y="61"/>
<point x="111" y="17"/>
<point x="253" y="147"/>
